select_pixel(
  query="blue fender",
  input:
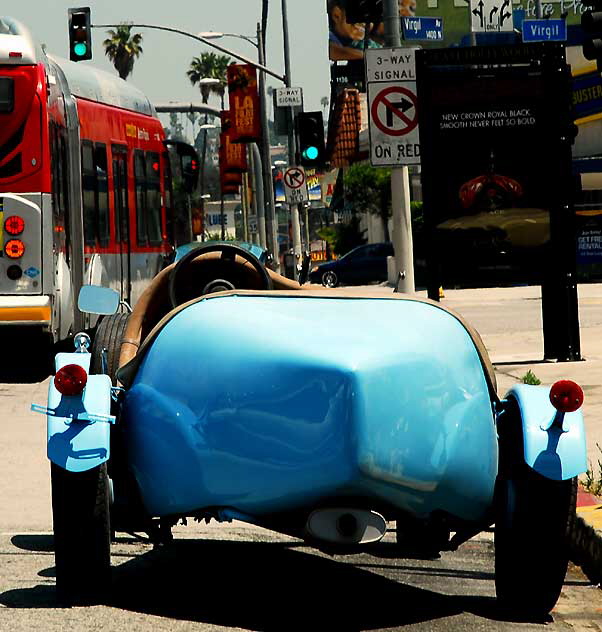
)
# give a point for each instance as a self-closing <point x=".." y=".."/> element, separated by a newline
<point x="553" y="442"/>
<point x="79" y="425"/>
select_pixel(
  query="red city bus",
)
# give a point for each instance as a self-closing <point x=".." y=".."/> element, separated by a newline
<point x="85" y="186"/>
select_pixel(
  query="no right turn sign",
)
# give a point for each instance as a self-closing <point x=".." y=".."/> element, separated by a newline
<point x="393" y="107"/>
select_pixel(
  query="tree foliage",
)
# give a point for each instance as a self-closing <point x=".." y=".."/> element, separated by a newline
<point x="344" y="236"/>
<point x="123" y="48"/>
<point x="209" y="66"/>
<point x="368" y="190"/>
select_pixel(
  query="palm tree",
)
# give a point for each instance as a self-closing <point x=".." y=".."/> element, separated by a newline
<point x="209" y="66"/>
<point x="324" y="101"/>
<point x="122" y="48"/>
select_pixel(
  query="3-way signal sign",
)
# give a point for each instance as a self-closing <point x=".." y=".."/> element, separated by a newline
<point x="392" y="107"/>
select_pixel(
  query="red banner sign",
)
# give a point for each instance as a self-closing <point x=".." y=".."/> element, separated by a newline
<point x="244" y="103"/>
<point x="232" y="156"/>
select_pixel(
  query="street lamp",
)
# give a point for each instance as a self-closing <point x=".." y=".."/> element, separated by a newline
<point x="216" y="35"/>
<point x="268" y="186"/>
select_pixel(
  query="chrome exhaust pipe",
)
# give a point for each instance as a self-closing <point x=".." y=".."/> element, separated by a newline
<point x="344" y="525"/>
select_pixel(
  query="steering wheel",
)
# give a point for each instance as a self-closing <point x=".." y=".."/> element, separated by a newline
<point x="229" y="280"/>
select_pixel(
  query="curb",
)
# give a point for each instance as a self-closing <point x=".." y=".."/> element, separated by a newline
<point x="586" y="541"/>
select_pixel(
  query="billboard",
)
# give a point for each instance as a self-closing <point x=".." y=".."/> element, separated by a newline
<point x="492" y="159"/>
<point x="346" y="42"/>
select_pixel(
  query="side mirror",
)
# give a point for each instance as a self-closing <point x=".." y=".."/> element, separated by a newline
<point x="94" y="299"/>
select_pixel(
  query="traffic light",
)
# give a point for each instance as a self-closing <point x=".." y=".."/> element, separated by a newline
<point x="80" y="37"/>
<point x="310" y="133"/>
<point x="591" y="23"/>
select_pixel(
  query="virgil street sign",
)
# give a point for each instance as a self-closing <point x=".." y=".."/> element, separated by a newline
<point x="544" y="30"/>
<point x="421" y="28"/>
<point x="392" y="107"/>
<point x="488" y="16"/>
<point x="289" y="97"/>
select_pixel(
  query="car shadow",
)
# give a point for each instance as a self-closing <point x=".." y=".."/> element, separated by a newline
<point x="265" y="586"/>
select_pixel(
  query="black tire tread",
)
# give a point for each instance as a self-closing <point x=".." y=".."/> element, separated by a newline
<point x="109" y="335"/>
<point x="532" y="550"/>
<point x="82" y="532"/>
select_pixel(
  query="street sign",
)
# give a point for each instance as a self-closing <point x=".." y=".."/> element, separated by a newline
<point x="289" y="97"/>
<point x="544" y="30"/>
<point x="392" y="107"/>
<point x="295" y="185"/>
<point x="489" y="16"/>
<point x="421" y="28"/>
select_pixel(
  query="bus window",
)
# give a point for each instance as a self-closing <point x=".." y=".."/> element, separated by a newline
<point x="140" y="178"/>
<point x="153" y="199"/>
<point x="120" y="193"/>
<point x="170" y="229"/>
<point x="104" y="227"/>
<point x="89" y="193"/>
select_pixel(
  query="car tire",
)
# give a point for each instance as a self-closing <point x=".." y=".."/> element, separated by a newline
<point x="534" y="517"/>
<point x="82" y="544"/>
<point x="109" y="335"/>
<point x="330" y="279"/>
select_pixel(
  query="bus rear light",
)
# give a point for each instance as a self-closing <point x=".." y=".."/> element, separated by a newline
<point x="14" y="225"/>
<point x="70" y="380"/>
<point x="566" y="396"/>
<point x="14" y="248"/>
<point x="14" y="273"/>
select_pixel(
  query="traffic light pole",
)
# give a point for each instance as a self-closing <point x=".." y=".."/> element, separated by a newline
<point x="209" y="43"/>
<point x="400" y="179"/>
<point x="292" y="150"/>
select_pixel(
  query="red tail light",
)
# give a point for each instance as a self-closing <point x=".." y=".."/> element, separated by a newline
<point x="70" y="379"/>
<point x="14" y="225"/>
<point x="14" y="248"/>
<point x="566" y="396"/>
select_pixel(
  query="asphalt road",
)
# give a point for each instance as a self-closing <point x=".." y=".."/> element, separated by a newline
<point x="233" y="576"/>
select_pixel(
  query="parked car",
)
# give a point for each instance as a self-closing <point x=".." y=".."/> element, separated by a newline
<point x="364" y="264"/>
<point x="322" y="414"/>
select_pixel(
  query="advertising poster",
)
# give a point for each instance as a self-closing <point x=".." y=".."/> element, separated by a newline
<point x="346" y="42"/>
<point x="491" y="158"/>
<point x="244" y="104"/>
<point x="232" y="156"/>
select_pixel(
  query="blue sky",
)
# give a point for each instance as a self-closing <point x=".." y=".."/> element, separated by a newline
<point x="160" y="72"/>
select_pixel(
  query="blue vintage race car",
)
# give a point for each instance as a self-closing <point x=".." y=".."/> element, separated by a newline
<point x="322" y="414"/>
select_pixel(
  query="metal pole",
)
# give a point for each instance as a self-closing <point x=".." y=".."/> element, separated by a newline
<point x="292" y="149"/>
<point x="400" y="178"/>
<point x="222" y="217"/>
<point x="259" y="199"/>
<point x="245" y="206"/>
<point x="270" y="218"/>
<point x="538" y="9"/>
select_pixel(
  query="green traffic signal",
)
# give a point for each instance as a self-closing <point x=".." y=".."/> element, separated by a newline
<point x="80" y="49"/>
<point x="310" y="134"/>
<point x="80" y="40"/>
<point x="311" y="153"/>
